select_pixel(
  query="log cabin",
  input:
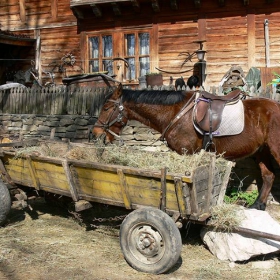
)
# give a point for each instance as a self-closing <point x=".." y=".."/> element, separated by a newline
<point x="131" y="38"/>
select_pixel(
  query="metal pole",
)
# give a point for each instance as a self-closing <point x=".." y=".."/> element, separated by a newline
<point x="248" y="232"/>
<point x="266" y="36"/>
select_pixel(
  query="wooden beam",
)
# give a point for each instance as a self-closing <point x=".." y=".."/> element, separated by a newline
<point x="197" y="3"/>
<point x="251" y="33"/>
<point x="155" y="6"/>
<point x="16" y="41"/>
<point x="135" y="4"/>
<point x="116" y="9"/>
<point x="77" y="13"/>
<point x="54" y="9"/>
<point x="97" y="11"/>
<point x="221" y="3"/>
<point x="173" y="4"/>
<point x="22" y="10"/>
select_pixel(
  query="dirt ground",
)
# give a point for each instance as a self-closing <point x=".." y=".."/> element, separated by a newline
<point x="49" y="243"/>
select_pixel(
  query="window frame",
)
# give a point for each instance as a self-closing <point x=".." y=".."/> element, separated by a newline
<point x="119" y="50"/>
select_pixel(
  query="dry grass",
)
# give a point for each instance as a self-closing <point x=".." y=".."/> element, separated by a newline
<point x="226" y="216"/>
<point x="48" y="244"/>
<point x="126" y="156"/>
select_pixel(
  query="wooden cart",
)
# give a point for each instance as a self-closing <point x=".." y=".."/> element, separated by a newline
<point x="149" y="235"/>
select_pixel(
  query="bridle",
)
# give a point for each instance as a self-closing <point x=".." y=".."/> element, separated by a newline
<point x="109" y="122"/>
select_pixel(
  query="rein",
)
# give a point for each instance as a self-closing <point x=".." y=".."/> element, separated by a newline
<point x="188" y="106"/>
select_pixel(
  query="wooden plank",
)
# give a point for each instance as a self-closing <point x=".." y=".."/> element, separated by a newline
<point x="182" y="204"/>
<point x="70" y="180"/>
<point x="124" y="189"/>
<point x="104" y="184"/>
<point x="54" y="9"/>
<point x="210" y="183"/>
<point x="33" y="174"/>
<point x="126" y="169"/>
<point x="163" y="189"/>
<point x="220" y="199"/>
<point x="22" y="10"/>
<point x="251" y="29"/>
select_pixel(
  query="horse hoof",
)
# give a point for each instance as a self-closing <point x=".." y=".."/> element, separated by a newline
<point x="258" y="205"/>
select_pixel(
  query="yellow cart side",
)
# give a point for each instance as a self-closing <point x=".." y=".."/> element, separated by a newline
<point x="190" y="196"/>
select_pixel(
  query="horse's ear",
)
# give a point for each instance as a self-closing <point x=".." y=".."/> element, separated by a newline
<point x="118" y="91"/>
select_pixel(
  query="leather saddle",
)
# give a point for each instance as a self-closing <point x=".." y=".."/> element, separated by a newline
<point x="209" y="108"/>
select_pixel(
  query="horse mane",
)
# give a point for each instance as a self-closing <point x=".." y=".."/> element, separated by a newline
<point x="159" y="97"/>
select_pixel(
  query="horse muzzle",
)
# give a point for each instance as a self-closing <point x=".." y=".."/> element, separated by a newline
<point x="101" y="136"/>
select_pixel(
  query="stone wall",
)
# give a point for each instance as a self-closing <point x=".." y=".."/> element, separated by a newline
<point x="76" y="128"/>
<point x="60" y="127"/>
<point x="137" y="134"/>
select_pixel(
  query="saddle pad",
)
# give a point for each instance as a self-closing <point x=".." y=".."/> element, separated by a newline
<point x="232" y="121"/>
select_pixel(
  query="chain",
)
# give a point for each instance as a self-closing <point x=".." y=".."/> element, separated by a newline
<point x="110" y="219"/>
<point x="109" y="229"/>
<point x="78" y="217"/>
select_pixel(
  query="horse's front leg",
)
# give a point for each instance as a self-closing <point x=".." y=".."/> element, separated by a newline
<point x="267" y="172"/>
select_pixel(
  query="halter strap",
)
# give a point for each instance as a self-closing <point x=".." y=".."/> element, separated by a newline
<point x="106" y="125"/>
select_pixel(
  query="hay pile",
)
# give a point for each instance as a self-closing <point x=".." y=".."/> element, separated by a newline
<point x="125" y="156"/>
<point x="226" y="216"/>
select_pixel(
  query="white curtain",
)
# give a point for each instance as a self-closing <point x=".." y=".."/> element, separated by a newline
<point x="107" y="45"/>
<point x="144" y="49"/>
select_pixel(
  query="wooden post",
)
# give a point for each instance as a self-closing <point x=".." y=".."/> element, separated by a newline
<point x="22" y="11"/>
<point x="220" y="200"/>
<point x="123" y="186"/>
<point x="70" y="181"/>
<point x="210" y="183"/>
<point x="266" y="36"/>
<point x="163" y="189"/>
<point x="32" y="171"/>
<point x="184" y="208"/>
<point x="251" y="29"/>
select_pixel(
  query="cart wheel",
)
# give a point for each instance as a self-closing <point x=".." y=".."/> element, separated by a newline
<point x="5" y="202"/>
<point x="150" y="240"/>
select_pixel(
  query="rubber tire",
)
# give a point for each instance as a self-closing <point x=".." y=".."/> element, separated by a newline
<point x="5" y="202"/>
<point x="154" y="223"/>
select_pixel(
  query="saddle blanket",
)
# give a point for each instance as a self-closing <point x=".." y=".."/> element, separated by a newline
<point x="232" y="121"/>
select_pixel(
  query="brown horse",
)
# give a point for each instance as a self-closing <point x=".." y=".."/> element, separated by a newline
<point x="157" y="109"/>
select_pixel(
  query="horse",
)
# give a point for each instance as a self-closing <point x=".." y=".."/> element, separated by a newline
<point x="157" y="109"/>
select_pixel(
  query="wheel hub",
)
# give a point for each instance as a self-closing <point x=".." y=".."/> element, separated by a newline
<point x="148" y="241"/>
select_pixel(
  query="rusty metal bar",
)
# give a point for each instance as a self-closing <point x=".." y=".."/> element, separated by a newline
<point x="248" y="232"/>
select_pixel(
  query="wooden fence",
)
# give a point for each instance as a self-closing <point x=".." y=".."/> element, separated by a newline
<point x="79" y="100"/>
<point x="53" y="100"/>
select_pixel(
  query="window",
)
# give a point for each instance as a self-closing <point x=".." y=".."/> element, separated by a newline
<point x="101" y="51"/>
<point x="132" y="46"/>
<point x="137" y="53"/>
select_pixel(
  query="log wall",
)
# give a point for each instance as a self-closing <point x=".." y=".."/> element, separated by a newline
<point x="234" y="32"/>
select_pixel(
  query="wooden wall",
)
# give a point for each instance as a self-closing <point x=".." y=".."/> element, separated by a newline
<point x="52" y="21"/>
<point x="234" y="33"/>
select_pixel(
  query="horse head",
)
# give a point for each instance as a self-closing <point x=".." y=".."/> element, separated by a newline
<point x="112" y="118"/>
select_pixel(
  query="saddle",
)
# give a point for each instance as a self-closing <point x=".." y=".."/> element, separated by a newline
<point x="209" y="108"/>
